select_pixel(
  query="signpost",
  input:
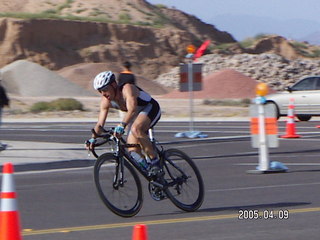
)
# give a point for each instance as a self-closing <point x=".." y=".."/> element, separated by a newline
<point x="191" y="71"/>
<point x="190" y="80"/>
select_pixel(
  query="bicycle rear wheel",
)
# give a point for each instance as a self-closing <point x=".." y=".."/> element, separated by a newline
<point x="123" y="198"/>
<point x="185" y="185"/>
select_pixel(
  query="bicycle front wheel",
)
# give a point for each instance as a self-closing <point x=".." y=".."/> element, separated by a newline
<point x="122" y="194"/>
<point x="185" y="186"/>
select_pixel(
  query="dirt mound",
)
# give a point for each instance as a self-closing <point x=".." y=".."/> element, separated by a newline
<point x="84" y="73"/>
<point x="225" y="84"/>
<point x="152" y="87"/>
<point x="24" y="78"/>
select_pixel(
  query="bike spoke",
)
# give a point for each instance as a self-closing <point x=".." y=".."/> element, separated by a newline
<point x="184" y="182"/>
<point x="119" y="188"/>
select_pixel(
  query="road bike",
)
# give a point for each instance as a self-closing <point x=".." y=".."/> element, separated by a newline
<point x="119" y="186"/>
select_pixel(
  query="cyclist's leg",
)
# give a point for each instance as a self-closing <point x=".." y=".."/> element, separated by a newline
<point x="146" y="119"/>
<point x="131" y="139"/>
<point x="138" y="134"/>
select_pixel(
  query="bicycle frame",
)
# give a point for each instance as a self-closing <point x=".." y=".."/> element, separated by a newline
<point x="122" y="155"/>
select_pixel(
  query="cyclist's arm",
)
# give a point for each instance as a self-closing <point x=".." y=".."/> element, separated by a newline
<point x="103" y="113"/>
<point x="130" y="94"/>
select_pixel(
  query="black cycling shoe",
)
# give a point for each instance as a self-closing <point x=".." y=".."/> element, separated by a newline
<point x="154" y="169"/>
<point x="3" y="147"/>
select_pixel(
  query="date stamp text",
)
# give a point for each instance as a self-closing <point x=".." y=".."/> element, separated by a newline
<point x="253" y="214"/>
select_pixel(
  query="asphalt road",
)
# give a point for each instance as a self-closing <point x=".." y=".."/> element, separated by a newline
<point x="64" y="204"/>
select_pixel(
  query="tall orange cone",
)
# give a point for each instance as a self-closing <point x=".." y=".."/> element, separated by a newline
<point x="140" y="232"/>
<point x="9" y="216"/>
<point x="291" y="125"/>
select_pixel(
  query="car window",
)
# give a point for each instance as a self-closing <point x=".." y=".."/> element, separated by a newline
<point x="305" y="84"/>
<point x="318" y="84"/>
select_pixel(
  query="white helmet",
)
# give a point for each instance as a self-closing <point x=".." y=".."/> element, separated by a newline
<point x="103" y="79"/>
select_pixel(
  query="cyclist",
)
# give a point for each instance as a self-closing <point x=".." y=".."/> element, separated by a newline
<point x="142" y="112"/>
<point x="126" y="76"/>
<point x="4" y="101"/>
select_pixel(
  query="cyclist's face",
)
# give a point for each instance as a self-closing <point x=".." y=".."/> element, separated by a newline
<point x="108" y="92"/>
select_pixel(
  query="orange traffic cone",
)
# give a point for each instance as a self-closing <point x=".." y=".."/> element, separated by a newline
<point x="9" y="216"/>
<point x="140" y="232"/>
<point x="291" y="125"/>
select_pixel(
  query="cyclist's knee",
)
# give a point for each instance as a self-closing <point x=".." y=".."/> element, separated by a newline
<point x="137" y="131"/>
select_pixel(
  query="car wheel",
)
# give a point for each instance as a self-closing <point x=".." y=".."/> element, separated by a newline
<point x="304" y="117"/>
<point x="277" y="115"/>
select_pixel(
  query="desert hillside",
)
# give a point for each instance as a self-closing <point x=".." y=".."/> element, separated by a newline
<point x="60" y="33"/>
<point x="77" y="39"/>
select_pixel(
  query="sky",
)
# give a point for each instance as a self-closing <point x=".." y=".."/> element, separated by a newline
<point x="295" y="18"/>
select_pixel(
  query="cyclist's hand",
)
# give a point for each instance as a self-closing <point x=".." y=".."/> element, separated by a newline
<point x="90" y="143"/>
<point x="119" y="131"/>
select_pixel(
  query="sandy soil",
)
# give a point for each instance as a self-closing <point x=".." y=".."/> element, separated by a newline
<point x="19" y="108"/>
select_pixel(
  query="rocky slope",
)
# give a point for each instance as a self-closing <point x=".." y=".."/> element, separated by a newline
<point x="110" y="33"/>
<point x="224" y="84"/>
<point x="273" y="69"/>
<point x="61" y="35"/>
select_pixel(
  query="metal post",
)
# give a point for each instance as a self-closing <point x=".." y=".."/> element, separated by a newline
<point x="192" y="133"/>
<point x="190" y="88"/>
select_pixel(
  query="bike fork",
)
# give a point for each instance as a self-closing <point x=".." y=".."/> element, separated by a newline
<point x="118" y="179"/>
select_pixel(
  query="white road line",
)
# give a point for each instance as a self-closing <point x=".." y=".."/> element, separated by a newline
<point x="288" y="164"/>
<point x="264" y="187"/>
<point x="205" y="144"/>
<point x="46" y="129"/>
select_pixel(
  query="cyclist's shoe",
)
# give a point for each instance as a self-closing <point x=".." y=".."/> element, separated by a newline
<point x="3" y="146"/>
<point x="154" y="169"/>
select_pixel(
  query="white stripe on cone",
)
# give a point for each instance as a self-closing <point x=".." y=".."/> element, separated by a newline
<point x="8" y="195"/>
<point x="8" y="183"/>
<point x="9" y="205"/>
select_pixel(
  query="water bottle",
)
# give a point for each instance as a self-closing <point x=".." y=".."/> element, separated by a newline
<point x="140" y="160"/>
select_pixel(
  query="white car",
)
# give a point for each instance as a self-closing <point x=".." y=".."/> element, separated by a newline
<point x="306" y="96"/>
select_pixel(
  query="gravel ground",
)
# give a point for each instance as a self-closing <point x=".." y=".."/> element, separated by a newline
<point x="19" y="108"/>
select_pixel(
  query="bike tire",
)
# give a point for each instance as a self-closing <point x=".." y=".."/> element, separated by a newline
<point x="185" y="187"/>
<point x="125" y="200"/>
